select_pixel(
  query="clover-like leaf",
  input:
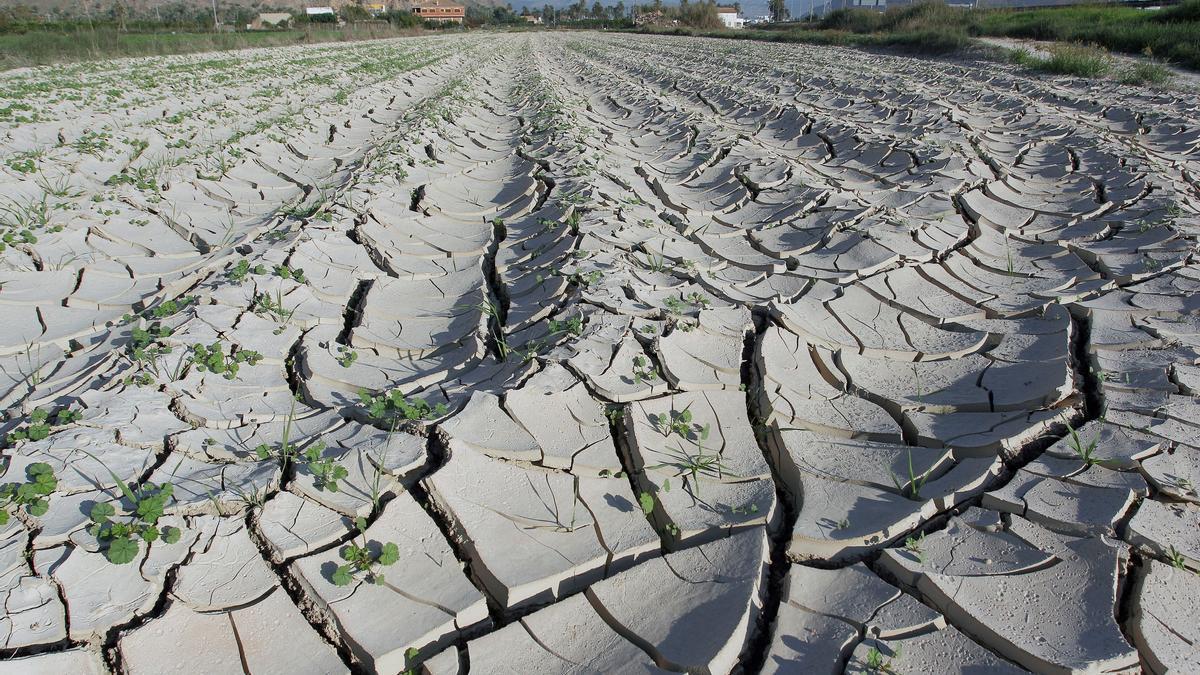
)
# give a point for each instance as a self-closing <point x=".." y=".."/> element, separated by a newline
<point x="389" y="555"/>
<point x="647" y="502"/>
<point x="121" y="551"/>
<point x="101" y="512"/>
<point x="342" y="576"/>
<point x="171" y="535"/>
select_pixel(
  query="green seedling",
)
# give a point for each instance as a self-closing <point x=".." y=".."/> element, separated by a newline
<point x="1085" y="452"/>
<point x="325" y="471"/>
<point x="346" y="356"/>
<point x="573" y="325"/>
<point x="916" y="545"/>
<point x="877" y="663"/>
<point x="286" y="272"/>
<point x="643" y="370"/>
<point x="272" y="306"/>
<point x="700" y="463"/>
<point x="242" y="269"/>
<point x="365" y="559"/>
<point x="675" y="306"/>
<point x="286" y="452"/>
<point x="1176" y="558"/>
<point x="915" y="482"/>
<point x="678" y="423"/>
<point x="32" y="495"/>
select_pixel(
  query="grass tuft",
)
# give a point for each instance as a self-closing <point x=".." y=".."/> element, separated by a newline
<point x="1076" y="60"/>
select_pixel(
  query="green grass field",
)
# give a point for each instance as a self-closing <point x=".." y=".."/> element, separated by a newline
<point x="1172" y="33"/>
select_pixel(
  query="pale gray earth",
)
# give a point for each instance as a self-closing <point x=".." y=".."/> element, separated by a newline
<point x="717" y="357"/>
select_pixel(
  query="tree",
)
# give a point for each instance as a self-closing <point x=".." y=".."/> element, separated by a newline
<point x="619" y="10"/>
<point x="597" y="10"/>
<point x="779" y="10"/>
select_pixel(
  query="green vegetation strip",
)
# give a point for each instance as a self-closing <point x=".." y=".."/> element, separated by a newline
<point x="1172" y="33"/>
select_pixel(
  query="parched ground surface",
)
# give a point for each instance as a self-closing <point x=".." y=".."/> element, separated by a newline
<point x="627" y="354"/>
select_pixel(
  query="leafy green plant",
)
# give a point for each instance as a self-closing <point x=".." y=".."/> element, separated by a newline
<point x="214" y="359"/>
<point x="346" y="356"/>
<point x="696" y="464"/>
<point x="120" y="534"/>
<point x="396" y="405"/>
<point x="643" y="370"/>
<point x="325" y="471"/>
<point x="678" y="423"/>
<point x="31" y="495"/>
<point x="242" y="269"/>
<point x="39" y="424"/>
<point x="877" y="663"/>
<point x="272" y="306"/>
<point x="573" y="325"/>
<point x="295" y="274"/>
<point x="364" y="559"/>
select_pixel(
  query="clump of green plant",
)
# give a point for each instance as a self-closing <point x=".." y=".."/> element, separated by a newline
<point x="586" y="279"/>
<point x="395" y="405"/>
<point x="325" y="471"/>
<point x="286" y="451"/>
<point x="678" y="423"/>
<point x="698" y="463"/>
<point x="643" y="370"/>
<point x="165" y="308"/>
<point x="876" y="662"/>
<point x="242" y="269"/>
<point x="120" y="534"/>
<point x="1077" y="59"/>
<point x="916" y="545"/>
<point x="296" y="274"/>
<point x="364" y="558"/>
<point x="31" y="495"/>
<point x="573" y="325"/>
<point x="1146" y="72"/>
<point x="272" y="306"/>
<point x="214" y="359"/>
<point x="39" y="424"/>
<point x="1086" y="452"/>
<point x="346" y="356"/>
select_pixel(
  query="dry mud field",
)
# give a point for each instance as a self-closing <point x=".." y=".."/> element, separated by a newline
<point x="573" y="353"/>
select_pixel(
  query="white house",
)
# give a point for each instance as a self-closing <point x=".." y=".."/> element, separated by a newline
<point x="729" y="17"/>
<point x="318" y="11"/>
